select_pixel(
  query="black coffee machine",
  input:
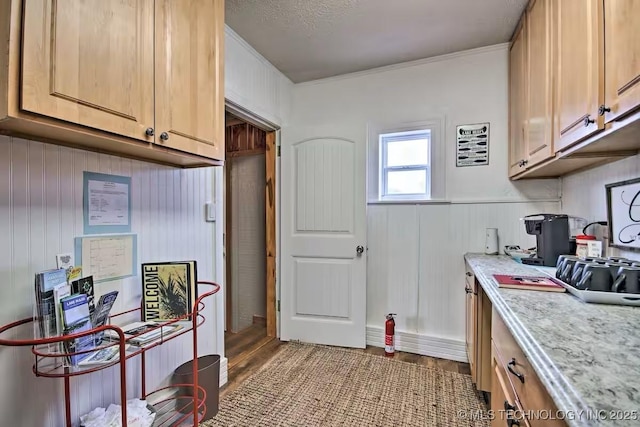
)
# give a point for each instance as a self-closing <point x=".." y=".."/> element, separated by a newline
<point x="552" y="238"/>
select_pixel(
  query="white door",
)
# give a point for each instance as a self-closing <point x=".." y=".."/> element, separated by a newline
<point x="323" y="236"/>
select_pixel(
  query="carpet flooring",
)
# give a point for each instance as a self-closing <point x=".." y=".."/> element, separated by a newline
<point x="310" y="385"/>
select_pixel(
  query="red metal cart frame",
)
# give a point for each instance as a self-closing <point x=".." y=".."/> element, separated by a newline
<point x="66" y="372"/>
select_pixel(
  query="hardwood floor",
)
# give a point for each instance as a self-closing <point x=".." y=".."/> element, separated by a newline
<point x="242" y="344"/>
<point x="249" y="364"/>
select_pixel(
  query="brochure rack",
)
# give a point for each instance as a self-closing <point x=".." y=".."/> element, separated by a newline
<point x="47" y="363"/>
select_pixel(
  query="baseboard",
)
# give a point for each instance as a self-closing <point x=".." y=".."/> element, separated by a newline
<point x="442" y="348"/>
<point x="259" y="320"/>
<point x="224" y="372"/>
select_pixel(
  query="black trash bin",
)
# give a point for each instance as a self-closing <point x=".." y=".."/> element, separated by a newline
<point x="208" y="379"/>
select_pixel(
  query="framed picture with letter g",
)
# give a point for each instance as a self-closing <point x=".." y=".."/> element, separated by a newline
<point x="623" y="214"/>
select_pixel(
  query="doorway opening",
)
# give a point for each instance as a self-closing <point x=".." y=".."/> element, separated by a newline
<point x="250" y="222"/>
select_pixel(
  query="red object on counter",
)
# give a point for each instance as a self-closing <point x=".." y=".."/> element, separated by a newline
<point x="389" y="335"/>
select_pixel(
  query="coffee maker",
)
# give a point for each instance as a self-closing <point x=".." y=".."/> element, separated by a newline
<point x="552" y="238"/>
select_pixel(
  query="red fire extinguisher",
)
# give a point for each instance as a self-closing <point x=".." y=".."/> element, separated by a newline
<point x="389" y="338"/>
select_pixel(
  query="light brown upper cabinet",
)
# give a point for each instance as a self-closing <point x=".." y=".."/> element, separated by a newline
<point x="138" y="78"/>
<point x="580" y="71"/>
<point x="189" y="76"/>
<point x="90" y="63"/>
<point x="539" y="82"/>
<point x="622" y="58"/>
<point x="518" y="101"/>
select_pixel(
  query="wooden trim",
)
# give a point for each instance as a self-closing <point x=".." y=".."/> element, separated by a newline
<point x="43" y="129"/>
<point x="519" y="28"/>
<point x="270" y="200"/>
<point x="5" y="25"/>
<point x="483" y="340"/>
<point x="254" y="152"/>
<point x="259" y="320"/>
<point x="227" y="243"/>
<point x="233" y="121"/>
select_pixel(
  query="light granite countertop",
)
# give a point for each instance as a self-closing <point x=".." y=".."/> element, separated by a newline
<point x="586" y="355"/>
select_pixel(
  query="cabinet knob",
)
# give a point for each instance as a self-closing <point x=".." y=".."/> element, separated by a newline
<point x="603" y="109"/>
<point x="512" y="363"/>
<point x="164" y="136"/>
<point x="588" y="120"/>
<point x="508" y="406"/>
<point x="149" y="132"/>
<point x="512" y="422"/>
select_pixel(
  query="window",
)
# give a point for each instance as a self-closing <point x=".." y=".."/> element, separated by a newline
<point x="406" y="162"/>
<point x="405" y="170"/>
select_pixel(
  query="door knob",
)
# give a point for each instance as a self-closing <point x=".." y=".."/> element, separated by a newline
<point x="164" y="136"/>
<point x="359" y="250"/>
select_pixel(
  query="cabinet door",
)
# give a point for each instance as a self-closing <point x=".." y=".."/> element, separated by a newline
<point x="622" y="62"/>
<point x="189" y="76"/>
<point x="539" y="83"/>
<point x="580" y="74"/>
<point x="517" y="102"/>
<point x="470" y="320"/>
<point x="506" y="409"/>
<point x="90" y="62"/>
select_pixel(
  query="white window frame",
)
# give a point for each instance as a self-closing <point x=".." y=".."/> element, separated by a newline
<point x="384" y="140"/>
<point x="436" y="172"/>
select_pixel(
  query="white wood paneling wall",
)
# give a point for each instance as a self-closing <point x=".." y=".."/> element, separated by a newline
<point x="415" y="264"/>
<point x="41" y="213"/>
<point x="248" y="240"/>
<point x="583" y="194"/>
<point x="252" y="83"/>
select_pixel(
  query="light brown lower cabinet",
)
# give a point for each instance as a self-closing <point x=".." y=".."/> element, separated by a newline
<point x="504" y="406"/>
<point x="516" y="384"/>
<point x="478" y="332"/>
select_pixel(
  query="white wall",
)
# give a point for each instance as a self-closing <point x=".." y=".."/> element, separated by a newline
<point x="415" y="265"/>
<point x="248" y="240"/>
<point x="252" y="83"/>
<point x="583" y="194"/>
<point x="41" y="213"/>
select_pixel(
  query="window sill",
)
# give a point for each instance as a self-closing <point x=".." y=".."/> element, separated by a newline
<point x="410" y="202"/>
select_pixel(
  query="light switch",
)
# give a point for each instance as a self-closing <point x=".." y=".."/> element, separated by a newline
<point x="210" y="212"/>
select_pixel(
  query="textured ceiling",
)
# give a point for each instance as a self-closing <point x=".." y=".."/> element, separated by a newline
<point x="312" y="39"/>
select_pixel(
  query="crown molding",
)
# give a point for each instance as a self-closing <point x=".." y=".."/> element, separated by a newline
<point x="410" y="64"/>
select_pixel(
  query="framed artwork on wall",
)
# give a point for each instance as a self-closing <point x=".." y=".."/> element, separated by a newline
<point x="623" y="214"/>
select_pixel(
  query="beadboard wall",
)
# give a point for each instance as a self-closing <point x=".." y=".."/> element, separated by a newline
<point x="583" y="194"/>
<point x="252" y="83"/>
<point x="415" y="252"/>
<point x="248" y="241"/>
<point x="41" y="213"/>
<point x="415" y="267"/>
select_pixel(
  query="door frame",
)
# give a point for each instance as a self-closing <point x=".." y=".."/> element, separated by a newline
<point x="271" y="220"/>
